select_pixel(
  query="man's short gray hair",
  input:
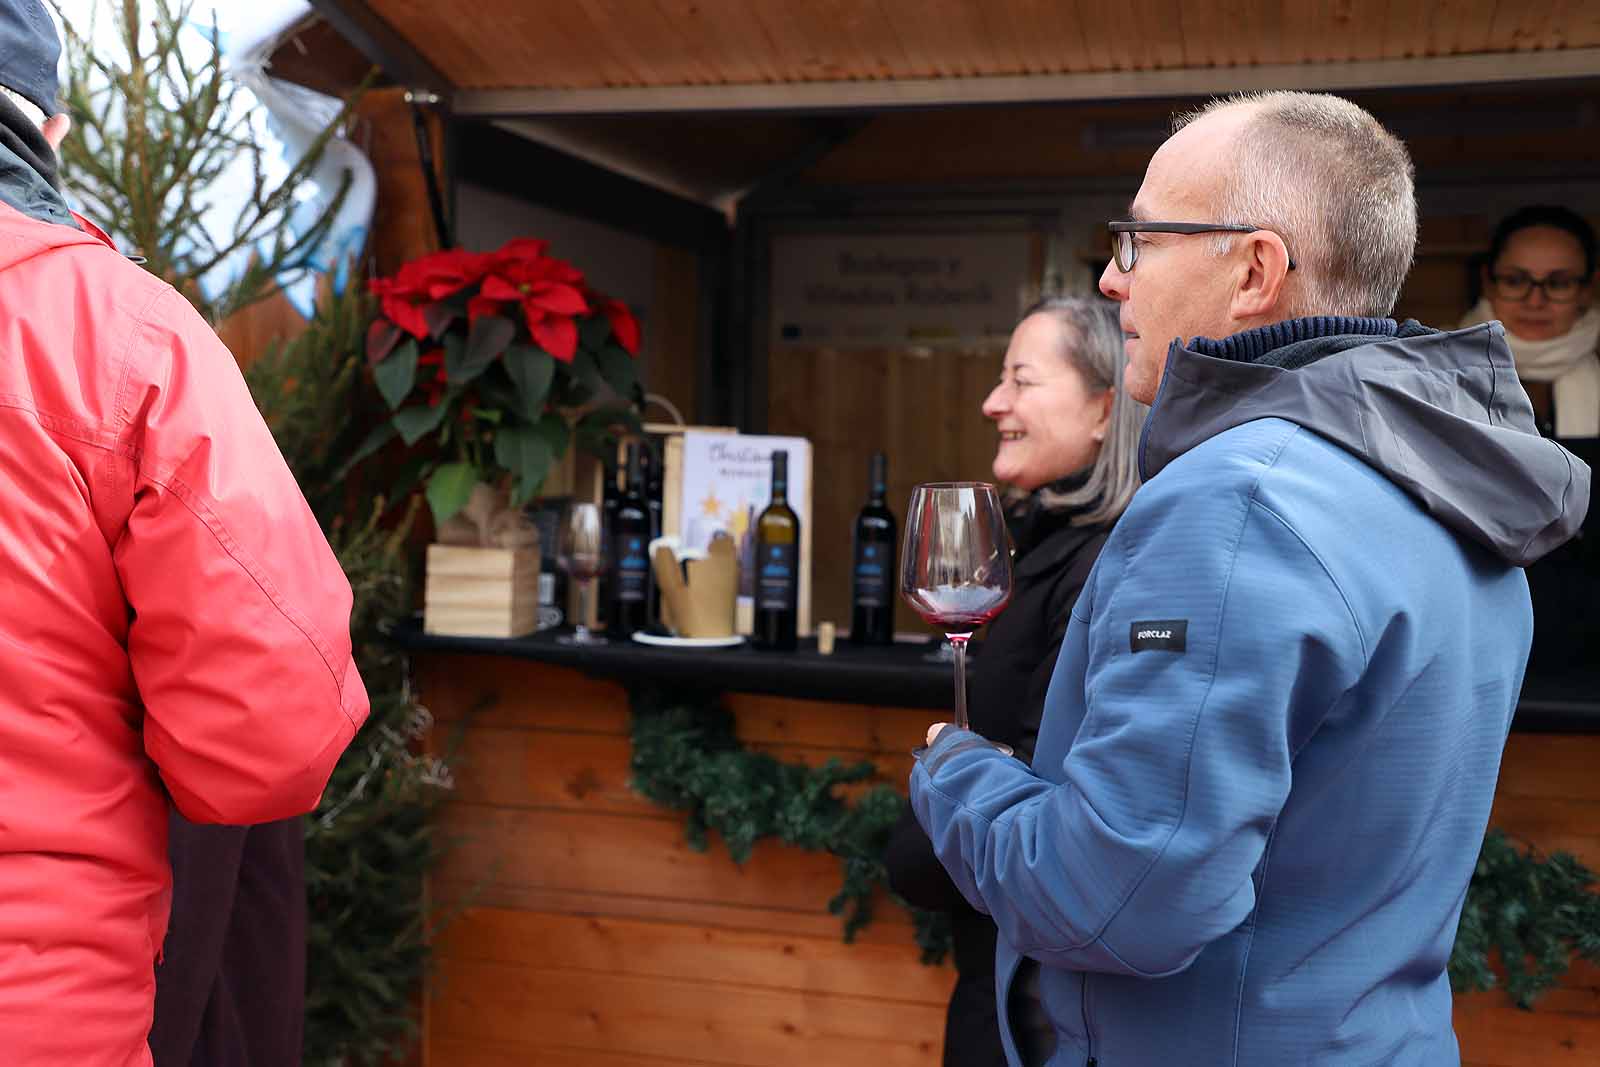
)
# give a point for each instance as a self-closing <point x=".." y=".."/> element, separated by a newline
<point x="1339" y="189"/>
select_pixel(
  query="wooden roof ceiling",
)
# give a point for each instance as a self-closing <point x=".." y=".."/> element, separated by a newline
<point x="585" y="45"/>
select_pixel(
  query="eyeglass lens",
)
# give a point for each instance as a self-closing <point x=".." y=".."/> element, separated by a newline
<point x="1517" y="285"/>
<point x="1122" y="244"/>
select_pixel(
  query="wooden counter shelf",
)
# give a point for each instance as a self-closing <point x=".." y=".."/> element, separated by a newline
<point x="594" y="935"/>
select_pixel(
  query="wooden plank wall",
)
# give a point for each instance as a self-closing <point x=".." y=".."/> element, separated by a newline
<point x="592" y="935"/>
<point x="920" y="407"/>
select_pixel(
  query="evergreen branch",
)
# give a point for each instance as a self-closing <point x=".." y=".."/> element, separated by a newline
<point x="686" y="756"/>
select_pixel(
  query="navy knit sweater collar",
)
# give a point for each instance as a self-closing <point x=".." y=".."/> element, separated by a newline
<point x="1296" y="342"/>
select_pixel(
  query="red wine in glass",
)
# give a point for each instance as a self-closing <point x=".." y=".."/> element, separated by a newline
<point x="955" y="565"/>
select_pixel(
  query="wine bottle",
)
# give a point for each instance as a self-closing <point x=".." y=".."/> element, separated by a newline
<point x="604" y="583"/>
<point x="630" y="563"/>
<point x="777" y="585"/>
<point x="653" y="478"/>
<point x="873" y="574"/>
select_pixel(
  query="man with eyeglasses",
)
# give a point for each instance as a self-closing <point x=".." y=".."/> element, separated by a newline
<point x="1271" y="742"/>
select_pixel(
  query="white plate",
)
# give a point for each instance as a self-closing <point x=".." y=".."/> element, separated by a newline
<point x="687" y="642"/>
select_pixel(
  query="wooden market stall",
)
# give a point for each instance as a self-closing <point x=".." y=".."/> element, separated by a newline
<point x="691" y="139"/>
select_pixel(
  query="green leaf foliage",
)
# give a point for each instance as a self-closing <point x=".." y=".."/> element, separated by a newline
<point x="370" y="844"/>
<point x="397" y="373"/>
<point x="532" y="369"/>
<point x="594" y="331"/>
<point x="526" y="453"/>
<point x="419" y="420"/>
<point x="617" y="368"/>
<point x="449" y="489"/>
<point x="487" y="338"/>
<point x="1533" y="914"/>
<point x="687" y="757"/>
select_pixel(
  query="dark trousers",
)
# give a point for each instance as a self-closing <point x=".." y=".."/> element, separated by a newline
<point x="230" y="988"/>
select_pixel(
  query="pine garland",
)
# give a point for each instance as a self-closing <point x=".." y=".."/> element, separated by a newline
<point x="686" y="756"/>
<point x="1533" y="914"/>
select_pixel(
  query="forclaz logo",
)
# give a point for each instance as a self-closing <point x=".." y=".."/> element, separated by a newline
<point x="1159" y="635"/>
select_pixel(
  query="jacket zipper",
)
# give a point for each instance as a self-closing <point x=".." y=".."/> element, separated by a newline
<point x="1083" y="1004"/>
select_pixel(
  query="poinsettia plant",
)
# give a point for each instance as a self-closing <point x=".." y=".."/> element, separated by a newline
<point x="503" y="358"/>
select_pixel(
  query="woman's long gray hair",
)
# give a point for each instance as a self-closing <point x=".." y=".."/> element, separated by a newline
<point x="1091" y="342"/>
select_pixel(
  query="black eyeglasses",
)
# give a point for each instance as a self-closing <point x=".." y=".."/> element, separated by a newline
<point x="1519" y="285"/>
<point x="1126" y="252"/>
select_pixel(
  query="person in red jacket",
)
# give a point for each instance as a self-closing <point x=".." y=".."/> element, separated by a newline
<point x="172" y="622"/>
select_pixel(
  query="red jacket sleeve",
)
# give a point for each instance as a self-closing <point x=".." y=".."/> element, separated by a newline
<point x="240" y="636"/>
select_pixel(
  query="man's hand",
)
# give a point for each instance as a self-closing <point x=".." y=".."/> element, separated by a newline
<point x="933" y="731"/>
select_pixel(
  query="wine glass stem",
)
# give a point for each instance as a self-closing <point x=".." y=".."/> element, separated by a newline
<point x="585" y="605"/>
<point x="959" y="642"/>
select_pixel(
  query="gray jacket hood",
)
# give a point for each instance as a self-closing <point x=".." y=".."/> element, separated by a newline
<point x="1441" y="415"/>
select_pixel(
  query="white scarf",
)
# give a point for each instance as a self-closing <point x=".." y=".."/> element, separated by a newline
<point x="1570" y="361"/>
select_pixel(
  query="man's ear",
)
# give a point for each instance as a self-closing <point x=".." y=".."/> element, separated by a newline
<point x="1263" y="273"/>
<point x="55" y="129"/>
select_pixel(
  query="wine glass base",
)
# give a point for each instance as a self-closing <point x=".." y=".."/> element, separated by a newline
<point x="581" y="638"/>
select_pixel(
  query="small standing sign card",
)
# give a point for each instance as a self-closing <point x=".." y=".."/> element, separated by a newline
<point x="727" y="481"/>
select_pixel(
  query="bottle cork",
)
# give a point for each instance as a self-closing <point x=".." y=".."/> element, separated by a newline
<point x="825" y="635"/>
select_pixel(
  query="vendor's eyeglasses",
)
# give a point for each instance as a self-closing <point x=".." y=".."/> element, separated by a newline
<point x="1519" y="285"/>
<point x="1126" y="251"/>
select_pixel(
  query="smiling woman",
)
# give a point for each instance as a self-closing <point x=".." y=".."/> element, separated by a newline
<point x="1538" y="280"/>
<point x="1068" y="437"/>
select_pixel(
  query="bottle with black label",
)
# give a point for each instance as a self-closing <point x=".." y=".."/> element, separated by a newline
<point x="653" y="477"/>
<point x="630" y="562"/>
<point x="777" y="565"/>
<point x="610" y="495"/>
<point x="873" y="576"/>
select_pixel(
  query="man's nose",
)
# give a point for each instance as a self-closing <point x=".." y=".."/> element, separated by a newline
<point x="1113" y="282"/>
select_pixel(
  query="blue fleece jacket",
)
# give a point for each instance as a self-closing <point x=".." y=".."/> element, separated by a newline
<point x="1272" y="738"/>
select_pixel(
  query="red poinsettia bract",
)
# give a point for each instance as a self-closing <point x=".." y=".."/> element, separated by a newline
<point x="546" y="289"/>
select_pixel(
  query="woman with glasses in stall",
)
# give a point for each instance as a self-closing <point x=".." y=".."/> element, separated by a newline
<point x="1538" y="280"/>
<point x="1068" y="443"/>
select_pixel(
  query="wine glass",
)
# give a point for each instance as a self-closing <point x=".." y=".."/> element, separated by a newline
<point x="582" y="556"/>
<point x="955" y="566"/>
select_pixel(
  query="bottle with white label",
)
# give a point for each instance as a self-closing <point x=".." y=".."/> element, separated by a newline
<point x="777" y="566"/>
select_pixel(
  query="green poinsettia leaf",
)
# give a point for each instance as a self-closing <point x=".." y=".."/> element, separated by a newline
<point x="526" y="453"/>
<point x="416" y="422"/>
<point x="584" y="370"/>
<point x="449" y="488"/>
<point x="532" y="370"/>
<point x="593" y="332"/>
<point x="557" y="434"/>
<point x="617" y="367"/>
<point x="396" y="374"/>
<point x="600" y="429"/>
<point x="439" y="315"/>
<point x="465" y="361"/>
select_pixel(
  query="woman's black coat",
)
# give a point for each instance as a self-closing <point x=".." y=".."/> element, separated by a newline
<point x="1011" y="673"/>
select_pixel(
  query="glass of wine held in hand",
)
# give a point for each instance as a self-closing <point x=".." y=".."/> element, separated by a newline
<point x="955" y="565"/>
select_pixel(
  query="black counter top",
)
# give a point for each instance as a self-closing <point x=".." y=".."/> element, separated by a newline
<point x="897" y="675"/>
